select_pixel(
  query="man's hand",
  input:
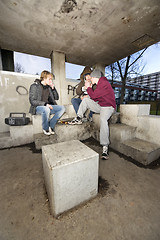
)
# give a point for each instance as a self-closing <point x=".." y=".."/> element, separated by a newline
<point x="49" y="106"/>
<point x="87" y="84"/>
<point x="51" y="84"/>
<point x="82" y="97"/>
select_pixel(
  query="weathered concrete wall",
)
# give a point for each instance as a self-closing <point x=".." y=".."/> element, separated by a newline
<point x="149" y="128"/>
<point x="129" y="113"/>
<point x="138" y="116"/>
<point x="12" y="100"/>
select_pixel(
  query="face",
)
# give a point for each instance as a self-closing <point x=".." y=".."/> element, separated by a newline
<point x="94" y="80"/>
<point x="48" y="80"/>
<point x="88" y="78"/>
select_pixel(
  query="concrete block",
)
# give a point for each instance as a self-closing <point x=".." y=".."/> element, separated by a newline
<point x="95" y="133"/>
<point x="37" y="124"/>
<point x="115" y="118"/>
<point x="66" y="132"/>
<point x="70" y="112"/>
<point x="41" y="139"/>
<point x="129" y="113"/>
<point x="37" y="119"/>
<point x="71" y="174"/>
<point x="140" y="150"/>
<point x="149" y="128"/>
<point x="5" y="140"/>
<point x="21" y="134"/>
<point x="121" y="132"/>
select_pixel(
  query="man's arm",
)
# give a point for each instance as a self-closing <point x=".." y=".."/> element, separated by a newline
<point x="99" y="92"/>
<point x="33" y="96"/>
<point x="79" y="88"/>
<point x="55" y="94"/>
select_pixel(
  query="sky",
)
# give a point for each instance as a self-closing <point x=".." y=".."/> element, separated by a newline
<point x="33" y="64"/>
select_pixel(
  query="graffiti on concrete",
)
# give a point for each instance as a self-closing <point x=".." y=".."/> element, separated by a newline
<point x="21" y="90"/>
<point x="71" y="88"/>
<point x="6" y="82"/>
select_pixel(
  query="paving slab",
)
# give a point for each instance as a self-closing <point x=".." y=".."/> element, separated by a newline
<point x="127" y="208"/>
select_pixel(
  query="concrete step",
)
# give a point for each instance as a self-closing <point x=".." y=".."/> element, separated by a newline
<point x="140" y="150"/>
<point x="64" y="132"/>
<point x="5" y="140"/>
<point x="41" y="139"/>
<point x="121" y="132"/>
<point x="118" y="133"/>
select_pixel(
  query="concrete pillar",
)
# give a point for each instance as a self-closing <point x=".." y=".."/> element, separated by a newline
<point x="58" y="68"/>
<point x="1" y="67"/>
<point x="100" y="67"/>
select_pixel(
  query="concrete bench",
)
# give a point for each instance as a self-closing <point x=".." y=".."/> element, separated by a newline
<point x="71" y="174"/>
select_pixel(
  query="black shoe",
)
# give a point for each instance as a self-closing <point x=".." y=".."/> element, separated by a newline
<point x="104" y="156"/>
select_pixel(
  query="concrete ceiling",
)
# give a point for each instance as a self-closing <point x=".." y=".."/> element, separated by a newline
<point x="87" y="31"/>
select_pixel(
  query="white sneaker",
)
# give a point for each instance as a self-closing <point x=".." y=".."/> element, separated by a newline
<point x="46" y="132"/>
<point x="105" y="155"/>
<point x="75" y="121"/>
<point x="51" y="131"/>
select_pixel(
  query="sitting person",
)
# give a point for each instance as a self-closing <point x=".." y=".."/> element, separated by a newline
<point x="42" y="96"/>
<point x="81" y="92"/>
<point x="102" y="100"/>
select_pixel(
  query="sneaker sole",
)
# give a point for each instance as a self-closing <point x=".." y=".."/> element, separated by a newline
<point x="51" y="132"/>
<point x="47" y="134"/>
<point x="74" y="123"/>
<point x="104" y="158"/>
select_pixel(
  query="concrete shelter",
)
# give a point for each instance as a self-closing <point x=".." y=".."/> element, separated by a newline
<point x="86" y="32"/>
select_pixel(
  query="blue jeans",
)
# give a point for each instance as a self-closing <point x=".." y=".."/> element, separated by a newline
<point x="76" y="102"/>
<point x="46" y="112"/>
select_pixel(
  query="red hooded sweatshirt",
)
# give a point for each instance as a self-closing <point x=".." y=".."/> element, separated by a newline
<point x="103" y="94"/>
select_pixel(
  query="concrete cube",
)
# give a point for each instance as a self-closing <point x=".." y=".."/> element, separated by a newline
<point x="21" y="134"/>
<point x="129" y="113"/>
<point x="71" y="174"/>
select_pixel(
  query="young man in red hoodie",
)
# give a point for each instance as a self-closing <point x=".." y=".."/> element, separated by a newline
<point x="102" y="100"/>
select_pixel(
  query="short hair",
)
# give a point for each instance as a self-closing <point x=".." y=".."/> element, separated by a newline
<point x="45" y="73"/>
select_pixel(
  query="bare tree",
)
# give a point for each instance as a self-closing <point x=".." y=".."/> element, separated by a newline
<point x="131" y="66"/>
<point x="18" y="68"/>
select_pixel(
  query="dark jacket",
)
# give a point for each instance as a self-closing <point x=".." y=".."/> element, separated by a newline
<point x="81" y="84"/>
<point x="35" y="96"/>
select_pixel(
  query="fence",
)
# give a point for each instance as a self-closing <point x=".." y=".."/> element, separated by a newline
<point x="151" y="81"/>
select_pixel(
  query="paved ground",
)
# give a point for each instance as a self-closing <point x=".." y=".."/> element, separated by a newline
<point x="126" y="208"/>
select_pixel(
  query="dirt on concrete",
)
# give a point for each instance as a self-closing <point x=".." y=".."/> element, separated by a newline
<point x="127" y="206"/>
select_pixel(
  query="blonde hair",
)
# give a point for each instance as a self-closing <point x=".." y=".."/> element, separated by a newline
<point x="45" y="73"/>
